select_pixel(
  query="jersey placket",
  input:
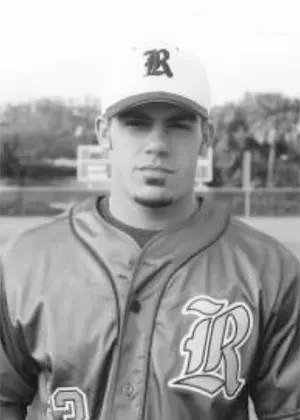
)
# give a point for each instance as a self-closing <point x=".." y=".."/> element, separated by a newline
<point x="152" y="274"/>
<point x="134" y="349"/>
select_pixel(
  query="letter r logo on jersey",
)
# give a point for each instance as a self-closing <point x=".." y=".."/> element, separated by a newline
<point x="211" y="348"/>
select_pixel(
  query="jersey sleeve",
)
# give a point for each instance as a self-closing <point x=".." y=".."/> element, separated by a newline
<point x="18" y="373"/>
<point x="276" y="388"/>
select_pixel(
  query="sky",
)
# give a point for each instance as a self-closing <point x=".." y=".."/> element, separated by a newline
<point x="57" y="47"/>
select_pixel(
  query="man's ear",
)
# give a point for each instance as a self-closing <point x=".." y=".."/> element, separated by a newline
<point x="102" y="131"/>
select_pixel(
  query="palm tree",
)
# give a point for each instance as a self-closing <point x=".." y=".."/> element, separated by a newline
<point x="271" y="116"/>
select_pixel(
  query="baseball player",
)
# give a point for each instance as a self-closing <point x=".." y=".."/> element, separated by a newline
<point x="150" y="303"/>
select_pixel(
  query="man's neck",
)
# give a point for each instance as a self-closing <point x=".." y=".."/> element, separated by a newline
<point x="134" y="214"/>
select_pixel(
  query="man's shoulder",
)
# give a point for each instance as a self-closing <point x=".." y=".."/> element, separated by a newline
<point x="43" y="250"/>
<point x="248" y="231"/>
<point x="45" y="234"/>
<point x="48" y="237"/>
<point x="259" y="244"/>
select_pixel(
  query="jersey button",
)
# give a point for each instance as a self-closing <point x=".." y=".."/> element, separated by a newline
<point x="127" y="390"/>
<point x="135" y="306"/>
<point x="131" y="265"/>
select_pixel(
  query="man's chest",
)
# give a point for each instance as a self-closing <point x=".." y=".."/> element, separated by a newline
<point x="192" y="334"/>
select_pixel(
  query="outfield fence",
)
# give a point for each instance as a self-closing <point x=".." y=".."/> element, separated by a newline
<point x="47" y="201"/>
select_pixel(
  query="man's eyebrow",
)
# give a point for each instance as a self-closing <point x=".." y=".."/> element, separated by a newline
<point x="183" y="116"/>
<point x="134" y="113"/>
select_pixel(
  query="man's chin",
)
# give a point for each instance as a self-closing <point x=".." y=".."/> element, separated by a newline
<point x="154" y="201"/>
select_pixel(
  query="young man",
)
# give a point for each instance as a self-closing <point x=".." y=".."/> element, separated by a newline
<point x="150" y="303"/>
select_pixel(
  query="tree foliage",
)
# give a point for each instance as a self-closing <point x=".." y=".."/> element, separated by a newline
<point x="268" y="125"/>
<point x="49" y="129"/>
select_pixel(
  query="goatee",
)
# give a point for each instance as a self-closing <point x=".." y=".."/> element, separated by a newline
<point x="154" y="203"/>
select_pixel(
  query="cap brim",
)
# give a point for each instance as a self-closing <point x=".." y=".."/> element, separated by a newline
<point x="140" y="99"/>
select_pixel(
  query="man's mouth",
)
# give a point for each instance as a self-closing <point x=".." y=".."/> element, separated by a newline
<point x="156" y="169"/>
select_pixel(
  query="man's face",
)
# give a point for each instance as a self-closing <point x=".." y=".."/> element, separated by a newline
<point x="154" y="153"/>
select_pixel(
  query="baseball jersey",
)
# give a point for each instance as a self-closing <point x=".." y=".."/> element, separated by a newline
<point x="204" y="315"/>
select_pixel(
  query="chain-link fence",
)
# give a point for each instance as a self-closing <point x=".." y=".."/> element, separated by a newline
<point x="47" y="201"/>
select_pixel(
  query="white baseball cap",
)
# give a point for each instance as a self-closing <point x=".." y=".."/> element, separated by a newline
<point x="163" y="74"/>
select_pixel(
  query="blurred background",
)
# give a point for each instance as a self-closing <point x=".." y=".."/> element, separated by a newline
<point x="51" y="54"/>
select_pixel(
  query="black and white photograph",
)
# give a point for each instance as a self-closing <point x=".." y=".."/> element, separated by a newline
<point x="149" y="210"/>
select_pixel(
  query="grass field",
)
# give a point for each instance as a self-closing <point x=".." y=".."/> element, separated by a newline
<point x="286" y="230"/>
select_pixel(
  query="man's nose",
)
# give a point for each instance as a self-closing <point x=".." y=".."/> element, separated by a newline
<point x="157" y="142"/>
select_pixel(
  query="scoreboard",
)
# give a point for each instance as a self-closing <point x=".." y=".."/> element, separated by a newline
<point x="93" y="163"/>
